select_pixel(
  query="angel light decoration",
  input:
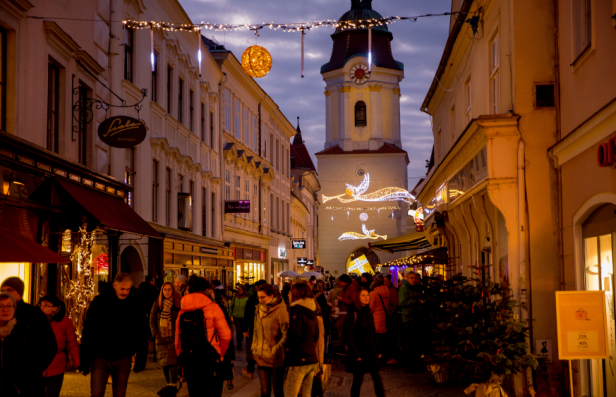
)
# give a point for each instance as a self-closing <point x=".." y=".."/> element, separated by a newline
<point x="356" y="193"/>
<point x="368" y="234"/>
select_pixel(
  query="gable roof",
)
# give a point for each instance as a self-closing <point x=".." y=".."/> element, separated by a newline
<point x="387" y="148"/>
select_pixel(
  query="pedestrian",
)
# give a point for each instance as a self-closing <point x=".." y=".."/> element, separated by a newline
<point x="163" y="317"/>
<point x="16" y="377"/>
<point x="180" y="284"/>
<point x="225" y="371"/>
<point x="112" y="333"/>
<point x="393" y="328"/>
<point x="345" y="298"/>
<point x="236" y="310"/>
<point x="379" y="302"/>
<point x="149" y="294"/>
<point x="362" y="344"/>
<point x="248" y="326"/>
<point x="321" y="300"/>
<point x="366" y="280"/>
<point x="64" y="330"/>
<point x="333" y="293"/>
<point x="202" y="337"/>
<point x="301" y="357"/>
<point x="269" y="338"/>
<point x="41" y="346"/>
<point x="410" y="331"/>
<point x="286" y="289"/>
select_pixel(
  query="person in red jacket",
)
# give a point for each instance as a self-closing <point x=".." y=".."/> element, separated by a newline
<point x="63" y="328"/>
<point x="199" y="370"/>
<point x="379" y="304"/>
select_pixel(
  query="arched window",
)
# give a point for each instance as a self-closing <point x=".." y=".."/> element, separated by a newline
<point x="360" y="114"/>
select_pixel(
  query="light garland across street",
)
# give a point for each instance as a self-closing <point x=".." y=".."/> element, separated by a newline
<point x="356" y="193"/>
<point x="368" y="234"/>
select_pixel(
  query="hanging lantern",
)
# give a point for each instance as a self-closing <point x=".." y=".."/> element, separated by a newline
<point x="256" y="61"/>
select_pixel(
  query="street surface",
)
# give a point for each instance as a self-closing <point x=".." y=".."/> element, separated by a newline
<point x="397" y="383"/>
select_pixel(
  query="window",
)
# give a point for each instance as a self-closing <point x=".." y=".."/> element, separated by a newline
<point x="227" y="110"/>
<point x="3" y="63"/>
<point x="192" y="111"/>
<point x="247" y="186"/>
<point x="360" y="114"/>
<point x="128" y="54"/>
<point x="155" y="77"/>
<point x="203" y="122"/>
<point x="544" y="95"/>
<point x="287" y="218"/>
<point x="582" y="26"/>
<point x="53" y="105"/>
<point x="264" y="141"/>
<point x="246" y="127"/>
<point x="154" y="191"/>
<point x="168" y="195"/>
<point x="494" y="76"/>
<point x="203" y="211"/>
<point x="288" y="162"/>
<point x="180" y="183"/>
<point x="284" y="160"/>
<point x="211" y="129"/>
<point x="255" y="205"/>
<point x="271" y="211"/>
<point x="439" y="142"/>
<point x="237" y="127"/>
<point x="129" y="175"/>
<point x="277" y="213"/>
<point x="282" y="222"/>
<point x="83" y="125"/>
<point x="169" y="76"/>
<point x="238" y="185"/>
<point x="227" y="184"/>
<point x="213" y="217"/>
<point x="254" y="134"/>
<point x="271" y="148"/>
<point x="469" y="100"/>
<point x="180" y="100"/>
<point x="277" y="159"/>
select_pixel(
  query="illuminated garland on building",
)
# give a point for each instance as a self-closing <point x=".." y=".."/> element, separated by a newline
<point x="410" y="261"/>
<point x="81" y="288"/>
<point x="356" y="193"/>
<point x="368" y="234"/>
<point x="285" y="27"/>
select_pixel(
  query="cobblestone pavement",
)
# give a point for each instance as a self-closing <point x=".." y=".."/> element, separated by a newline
<point x="397" y="383"/>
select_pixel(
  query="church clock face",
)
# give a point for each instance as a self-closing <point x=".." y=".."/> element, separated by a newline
<point x="359" y="74"/>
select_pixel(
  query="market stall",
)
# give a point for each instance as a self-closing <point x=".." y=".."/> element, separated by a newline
<point x="428" y="263"/>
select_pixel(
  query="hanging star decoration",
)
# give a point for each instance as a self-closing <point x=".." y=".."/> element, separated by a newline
<point x="356" y="193"/>
<point x="368" y="234"/>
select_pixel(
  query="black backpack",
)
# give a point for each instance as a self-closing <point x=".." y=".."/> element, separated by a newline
<point x="196" y="349"/>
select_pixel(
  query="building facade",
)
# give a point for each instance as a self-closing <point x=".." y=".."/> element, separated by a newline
<point x="584" y="160"/>
<point x="363" y="155"/>
<point x="489" y="195"/>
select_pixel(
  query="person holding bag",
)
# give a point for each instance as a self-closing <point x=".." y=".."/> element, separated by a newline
<point x="163" y="317"/>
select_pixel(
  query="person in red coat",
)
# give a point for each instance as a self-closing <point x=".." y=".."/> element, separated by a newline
<point x="379" y="303"/>
<point x="63" y="329"/>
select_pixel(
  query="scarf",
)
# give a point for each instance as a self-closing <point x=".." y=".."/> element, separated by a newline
<point x="6" y="330"/>
<point x="166" y="324"/>
<point x="264" y="309"/>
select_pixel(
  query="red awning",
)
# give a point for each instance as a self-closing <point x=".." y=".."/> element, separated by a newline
<point x="112" y="212"/>
<point x="17" y="248"/>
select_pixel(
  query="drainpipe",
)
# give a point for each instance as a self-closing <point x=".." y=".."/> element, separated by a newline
<point x="522" y="254"/>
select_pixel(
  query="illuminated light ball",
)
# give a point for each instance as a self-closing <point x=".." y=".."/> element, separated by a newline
<point x="256" y="61"/>
<point x="363" y="217"/>
<point x="349" y="191"/>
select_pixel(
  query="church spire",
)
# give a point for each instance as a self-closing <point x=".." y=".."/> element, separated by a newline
<point x="297" y="140"/>
<point x="357" y="4"/>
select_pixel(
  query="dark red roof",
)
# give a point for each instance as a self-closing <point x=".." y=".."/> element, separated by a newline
<point x="301" y="157"/>
<point x="387" y="148"/>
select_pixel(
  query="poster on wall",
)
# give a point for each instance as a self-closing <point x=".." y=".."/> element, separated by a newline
<point x="581" y="324"/>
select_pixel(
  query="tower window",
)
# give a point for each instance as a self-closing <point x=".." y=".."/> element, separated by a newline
<point x="360" y="114"/>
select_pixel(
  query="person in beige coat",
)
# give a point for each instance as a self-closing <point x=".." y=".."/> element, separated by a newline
<point x="269" y="338"/>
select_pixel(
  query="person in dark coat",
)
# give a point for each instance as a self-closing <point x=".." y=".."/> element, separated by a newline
<point x="42" y="347"/>
<point x="248" y="326"/>
<point x="301" y="357"/>
<point x="14" y="367"/>
<point x="112" y="332"/>
<point x="225" y="370"/>
<point x="362" y="345"/>
<point x="163" y="317"/>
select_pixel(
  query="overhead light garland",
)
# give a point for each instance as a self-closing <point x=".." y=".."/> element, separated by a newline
<point x="285" y="27"/>
<point x="362" y="209"/>
<point x="356" y="193"/>
<point x="368" y="234"/>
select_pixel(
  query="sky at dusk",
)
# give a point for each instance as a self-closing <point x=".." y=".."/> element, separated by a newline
<point x="419" y="45"/>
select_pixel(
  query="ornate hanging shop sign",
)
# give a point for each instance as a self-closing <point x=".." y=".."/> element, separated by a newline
<point x="122" y="131"/>
<point x="356" y="193"/>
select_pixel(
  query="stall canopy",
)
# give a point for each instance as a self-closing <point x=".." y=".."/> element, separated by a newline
<point x="112" y="212"/>
<point x="17" y="248"/>
<point x="411" y="241"/>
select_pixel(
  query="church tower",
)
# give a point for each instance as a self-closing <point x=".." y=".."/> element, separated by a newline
<point x="362" y="102"/>
<point x="363" y="168"/>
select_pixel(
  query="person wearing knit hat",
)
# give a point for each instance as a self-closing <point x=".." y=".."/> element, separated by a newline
<point x="40" y="346"/>
<point x="180" y="284"/>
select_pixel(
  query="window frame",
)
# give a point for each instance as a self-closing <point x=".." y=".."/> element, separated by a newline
<point x="494" y="73"/>
<point x="155" y="185"/>
<point x="129" y="47"/>
<point x="227" y="101"/>
<point x="169" y="87"/>
<point x="180" y="100"/>
<point x="237" y="126"/>
<point x="204" y="211"/>
<point x="53" y="131"/>
<point x="358" y="106"/>
<point x="155" y="79"/>
<point x="129" y="176"/>
<point x="191" y="110"/>
<point x="168" y="183"/>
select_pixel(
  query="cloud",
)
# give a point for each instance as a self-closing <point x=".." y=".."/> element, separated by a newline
<point x="419" y="45"/>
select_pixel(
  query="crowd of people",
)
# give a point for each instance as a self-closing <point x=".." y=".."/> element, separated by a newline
<point x="289" y="335"/>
